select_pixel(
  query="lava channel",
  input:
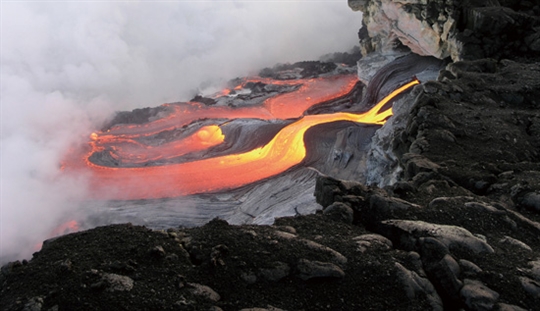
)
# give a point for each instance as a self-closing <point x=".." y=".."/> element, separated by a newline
<point x="215" y="174"/>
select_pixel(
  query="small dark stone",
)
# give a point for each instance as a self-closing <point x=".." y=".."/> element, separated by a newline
<point x="277" y="272"/>
<point x="481" y="185"/>
<point x="98" y="285"/>
<point x="171" y="257"/>
<point x="315" y="269"/>
<point x="339" y="211"/>
<point x="403" y="187"/>
<point x="531" y="201"/>
<point x="158" y="252"/>
<point x="218" y="253"/>
<point x="65" y="265"/>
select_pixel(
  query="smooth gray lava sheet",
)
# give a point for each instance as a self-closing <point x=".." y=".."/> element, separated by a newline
<point x="288" y="194"/>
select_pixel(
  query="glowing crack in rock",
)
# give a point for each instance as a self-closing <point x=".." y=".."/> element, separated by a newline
<point x="219" y="173"/>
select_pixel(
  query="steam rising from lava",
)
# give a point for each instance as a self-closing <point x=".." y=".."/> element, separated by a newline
<point x="66" y="67"/>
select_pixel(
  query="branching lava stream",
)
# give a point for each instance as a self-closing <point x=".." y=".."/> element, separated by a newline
<point x="218" y="173"/>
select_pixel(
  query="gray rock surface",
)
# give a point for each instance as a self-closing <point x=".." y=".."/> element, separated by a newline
<point x="532" y="287"/>
<point x="531" y="200"/>
<point x="337" y="257"/>
<point x="408" y="232"/>
<point x="269" y="308"/>
<point x="117" y="282"/>
<point x="372" y="241"/>
<point x="316" y="269"/>
<point x="276" y="273"/>
<point x="340" y="212"/>
<point x="515" y="242"/>
<point x="34" y="304"/>
<point x="469" y="269"/>
<point x="204" y="291"/>
<point x="508" y="307"/>
<point x="416" y="285"/>
<point x="477" y="296"/>
<point x="534" y="270"/>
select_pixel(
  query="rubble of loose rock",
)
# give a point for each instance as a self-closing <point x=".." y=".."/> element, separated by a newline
<point x="307" y="262"/>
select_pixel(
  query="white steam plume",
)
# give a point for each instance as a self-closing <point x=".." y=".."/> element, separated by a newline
<point x="66" y="66"/>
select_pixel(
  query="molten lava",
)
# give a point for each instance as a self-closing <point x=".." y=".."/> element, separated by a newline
<point x="65" y="228"/>
<point x="218" y="173"/>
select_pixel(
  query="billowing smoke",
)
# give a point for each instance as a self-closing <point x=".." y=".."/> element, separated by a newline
<point x="66" y="67"/>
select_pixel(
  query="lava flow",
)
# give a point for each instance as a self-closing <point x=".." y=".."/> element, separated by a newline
<point x="218" y="173"/>
<point x="283" y="106"/>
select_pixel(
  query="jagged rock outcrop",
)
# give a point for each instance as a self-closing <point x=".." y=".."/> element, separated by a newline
<point x="461" y="30"/>
<point x="451" y="119"/>
<point x="425" y="27"/>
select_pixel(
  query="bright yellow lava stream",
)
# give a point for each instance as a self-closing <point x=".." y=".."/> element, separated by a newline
<point x="284" y="151"/>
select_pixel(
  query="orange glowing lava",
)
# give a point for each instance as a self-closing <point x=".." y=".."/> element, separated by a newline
<point x="220" y="173"/>
<point x="65" y="228"/>
<point x="283" y="106"/>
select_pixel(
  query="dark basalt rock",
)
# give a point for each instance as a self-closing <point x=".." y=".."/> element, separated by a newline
<point x="340" y="212"/>
<point x="347" y="58"/>
<point x="205" y="100"/>
<point x="137" y="116"/>
<point x="298" y="70"/>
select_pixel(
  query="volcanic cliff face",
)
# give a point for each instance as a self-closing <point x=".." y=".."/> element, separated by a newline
<point x="461" y="30"/>
<point x="446" y="216"/>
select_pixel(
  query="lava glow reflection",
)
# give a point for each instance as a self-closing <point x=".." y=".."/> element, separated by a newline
<point x="219" y="173"/>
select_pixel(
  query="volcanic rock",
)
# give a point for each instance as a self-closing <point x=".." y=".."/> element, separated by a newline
<point x="315" y="269"/>
<point x="339" y="211"/>
<point x="276" y="273"/>
<point x="477" y="296"/>
<point x="34" y="304"/>
<point x="298" y="70"/>
<point x="532" y="287"/>
<point x="514" y="242"/>
<point x="531" y="200"/>
<point x="471" y="29"/>
<point x="337" y="257"/>
<point x="507" y="307"/>
<point x="158" y="252"/>
<point x="416" y="285"/>
<point x="269" y="308"/>
<point x="469" y="268"/>
<point x="138" y="116"/>
<point x="408" y="232"/>
<point x="373" y="241"/>
<point x="117" y="282"/>
<point x="204" y="291"/>
<point x="433" y="112"/>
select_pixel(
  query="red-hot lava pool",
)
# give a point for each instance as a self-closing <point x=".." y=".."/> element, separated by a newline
<point x="145" y="172"/>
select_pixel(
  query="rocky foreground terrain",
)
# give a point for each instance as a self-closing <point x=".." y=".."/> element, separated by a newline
<point x="450" y="221"/>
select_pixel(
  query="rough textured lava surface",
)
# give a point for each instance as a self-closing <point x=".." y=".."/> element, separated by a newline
<point x="445" y="216"/>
